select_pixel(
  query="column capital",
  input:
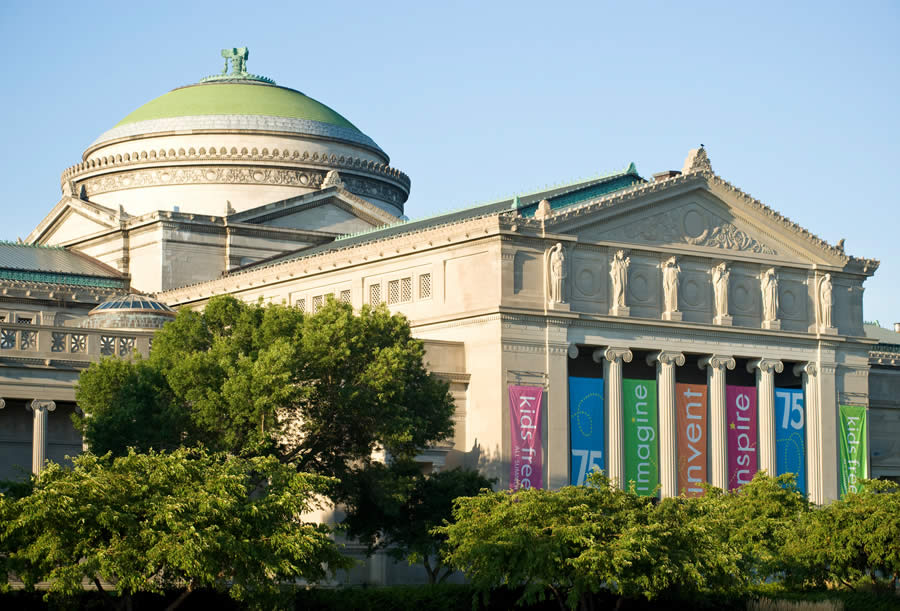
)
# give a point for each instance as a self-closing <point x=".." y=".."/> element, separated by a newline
<point x="666" y="357"/>
<point x="765" y="366"/>
<point x="2" y="403"/>
<point x="716" y="361"/>
<point x="41" y="404"/>
<point x="809" y="369"/>
<point x="613" y="354"/>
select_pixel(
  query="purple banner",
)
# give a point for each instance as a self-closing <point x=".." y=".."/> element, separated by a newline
<point x="740" y="413"/>
<point x="526" y="462"/>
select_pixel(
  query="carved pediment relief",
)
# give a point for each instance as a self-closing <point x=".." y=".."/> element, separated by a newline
<point x="692" y="223"/>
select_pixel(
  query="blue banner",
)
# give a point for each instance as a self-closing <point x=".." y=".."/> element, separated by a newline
<point x="790" y="434"/>
<point x="587" y="438"/>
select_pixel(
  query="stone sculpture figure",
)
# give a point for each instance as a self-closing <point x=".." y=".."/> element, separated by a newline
<point x="720" y="274"/>
<point x="238" y="57"/>
<point x="618" y="272"/>
<point x="557" y="264"/>
<point x="769" y="286"/>
<point x="670" y="284"/>
<point x="825" y="302"/>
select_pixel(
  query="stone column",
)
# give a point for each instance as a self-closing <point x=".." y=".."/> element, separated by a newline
<point x="39" y="433"/>
<point x="668" y="451"/>
<point x="765" y="397"/>
<point x="715" y="366"/>
<point x="809" y="373"/>
<point x="612" y="359"/>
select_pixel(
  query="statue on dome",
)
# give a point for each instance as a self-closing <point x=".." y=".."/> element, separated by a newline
<point x="238" y="57"/>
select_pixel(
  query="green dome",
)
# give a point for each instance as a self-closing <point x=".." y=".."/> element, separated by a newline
<point x="236" y="99"/>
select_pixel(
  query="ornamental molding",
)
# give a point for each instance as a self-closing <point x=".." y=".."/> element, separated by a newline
<point x="256" y="175"/>
<point x="243" y="155"/>
<point x="810" y="369"/>
<point x="715" y="233"/>
<point x="40" y="405"/>
<point x="765" y="365"/>
<point x="666" y="357"/>
<point x="717" y="361"/>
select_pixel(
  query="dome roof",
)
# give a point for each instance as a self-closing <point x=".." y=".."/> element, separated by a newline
<point x="236" y="104"/>
<point x="133" y="303"/>
<point x="130" y="312"/>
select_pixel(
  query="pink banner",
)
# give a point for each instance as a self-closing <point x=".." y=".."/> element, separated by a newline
<point x="526" y="464"/>
<point x="740" y="410"/>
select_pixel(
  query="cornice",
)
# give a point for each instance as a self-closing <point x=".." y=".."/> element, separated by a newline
<point x="291" y="158"/>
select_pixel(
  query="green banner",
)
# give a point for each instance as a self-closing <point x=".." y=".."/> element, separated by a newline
<point x="641" y="434"/>
<point x="854" y="447"/>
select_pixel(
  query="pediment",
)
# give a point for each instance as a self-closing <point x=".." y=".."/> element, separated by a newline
<point x="696" y="213"/>
<point x="72" y="220"/>
<point x="331" y="211"/>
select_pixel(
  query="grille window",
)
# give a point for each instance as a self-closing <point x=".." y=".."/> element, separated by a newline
<point x="405" y="289"/>
<point x="375" y="294"/>
<point x="424" y="286"/>
<point x="393" y="291"/>
<point x="301" y="304"/>
<point x="317" y="302"/>
<point x="345" y="296"/>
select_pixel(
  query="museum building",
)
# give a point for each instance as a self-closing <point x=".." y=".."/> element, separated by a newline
<point x="669" y="330"/>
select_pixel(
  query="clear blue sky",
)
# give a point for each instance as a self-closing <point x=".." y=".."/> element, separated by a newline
<point x="797" y="103"/>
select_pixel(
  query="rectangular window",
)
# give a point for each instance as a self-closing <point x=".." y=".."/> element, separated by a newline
<point x="375" y="294"/>
<point x="317" y="302"/>
<point x="300" y="304"/>
<point x="22" y="320"/>
<point x="345" y="296"/>
<point x="424" y="286"/>
<point x="405" y="290"/>
<point x="393" y="291"/>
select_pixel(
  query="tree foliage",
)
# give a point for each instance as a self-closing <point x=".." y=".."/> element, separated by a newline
<point x="323" y="391"/>
<point x="852" y="539"/>
<point x="400" y="506"/>
<point x="186" y="519"/>
<point x="581" y="540"/>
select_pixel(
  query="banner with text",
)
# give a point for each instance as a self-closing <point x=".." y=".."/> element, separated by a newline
<point x="641" y="432"/>
<point x="790" y="434"/>
<point x="526" y="462"/>
<point x="586" y="430"/>
<point x="740" y="415"/>
<point x="690" y="405"/>
<point x="854" y="447"/>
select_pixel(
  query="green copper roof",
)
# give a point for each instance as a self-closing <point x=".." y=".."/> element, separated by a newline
<point x="230" y="98"/>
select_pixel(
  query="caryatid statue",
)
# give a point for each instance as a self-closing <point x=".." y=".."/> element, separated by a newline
<point x="618" y="272"/>
<point x="825" y="298"/>
<point x="769" y="286"/>
<point x="670" y="284"/>
<point x="557" y="265"/>
<point x="720" y="275"/>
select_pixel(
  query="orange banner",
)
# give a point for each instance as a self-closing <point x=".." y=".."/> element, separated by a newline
<point x="690" y="405"/>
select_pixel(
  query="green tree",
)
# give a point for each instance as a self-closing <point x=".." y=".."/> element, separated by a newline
<point x="399" y="508"/>
<point x="156" y="521"/>
<point x="757" y="520"/>
<point x="583" y="540"/>
<point x="324" y="392"/>
<point x="854" y="538"/>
